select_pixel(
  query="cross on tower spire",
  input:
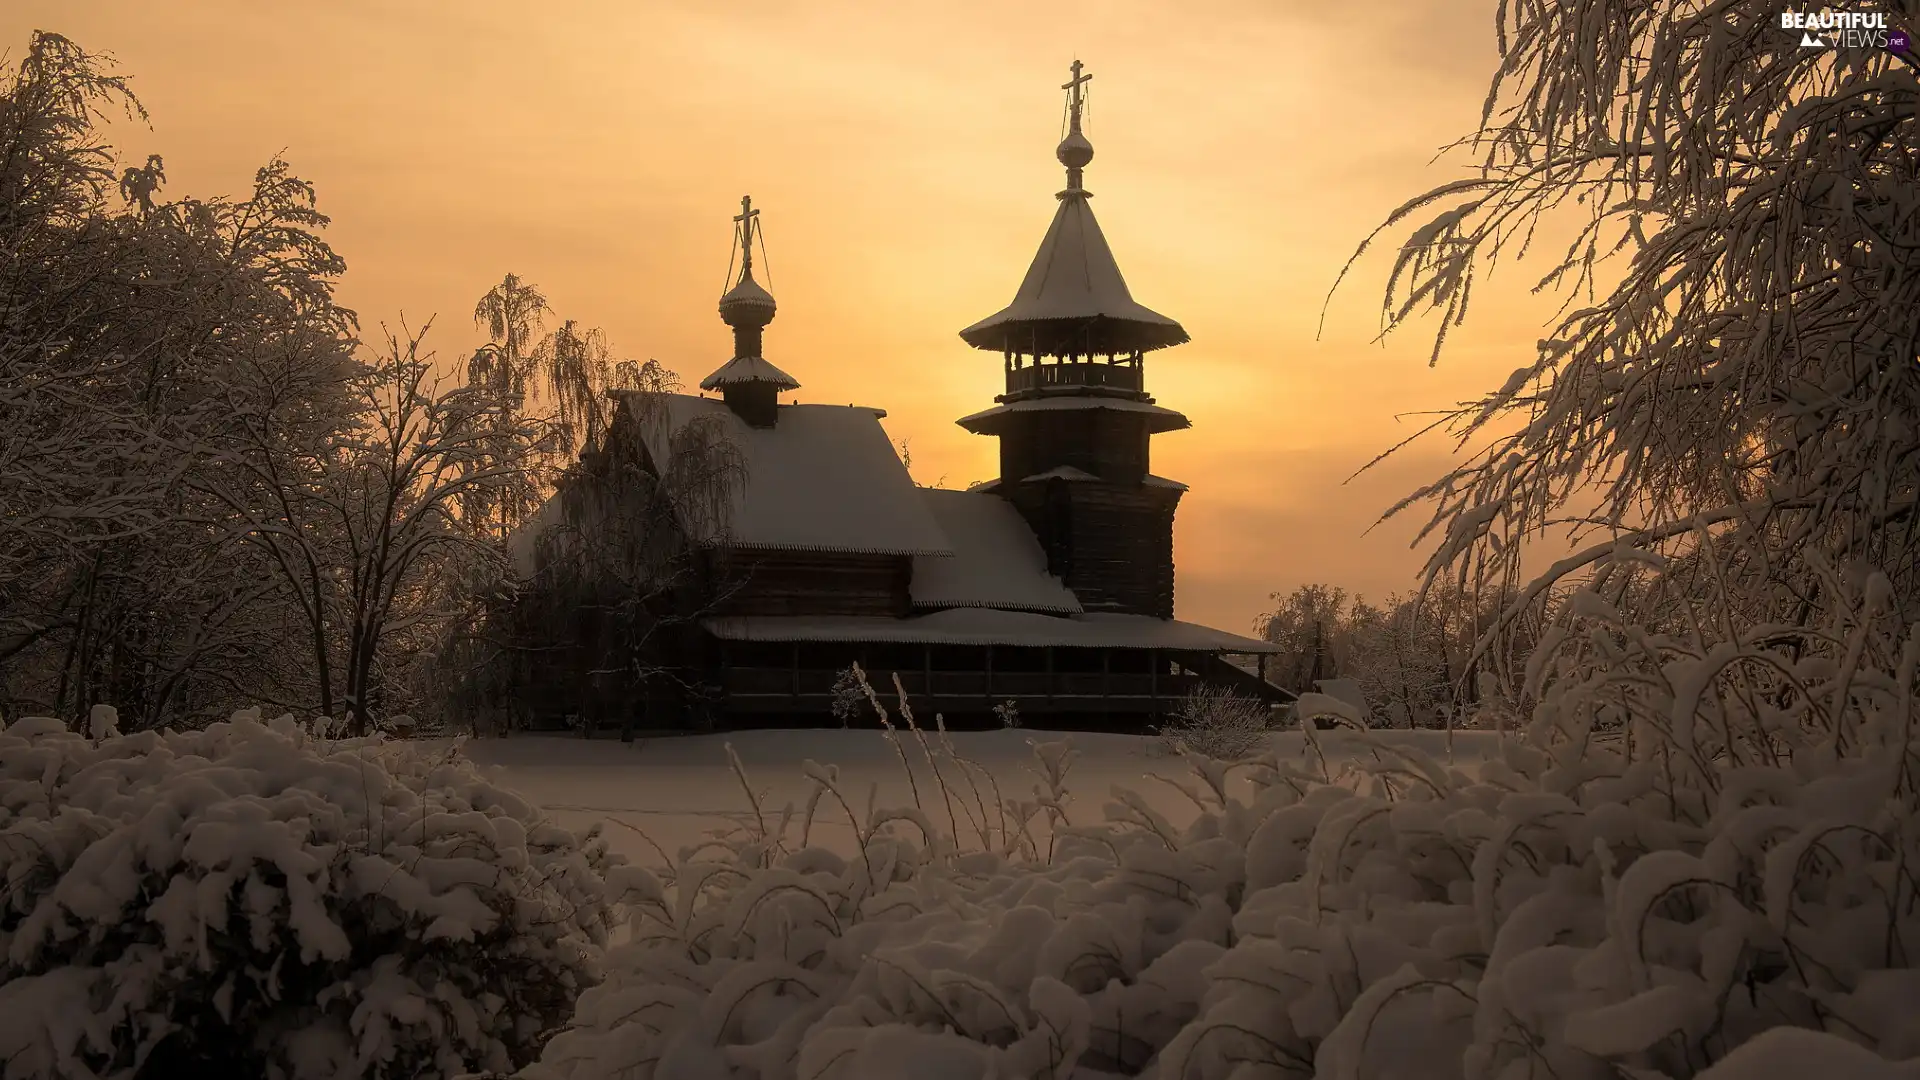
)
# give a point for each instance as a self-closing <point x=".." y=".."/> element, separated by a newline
<point x="1075" y="151"/>
<point x="1072" y="86"/>
<point x="746" y="219"/>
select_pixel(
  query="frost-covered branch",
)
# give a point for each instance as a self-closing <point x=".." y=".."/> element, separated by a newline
<point x="1756" y="358"/>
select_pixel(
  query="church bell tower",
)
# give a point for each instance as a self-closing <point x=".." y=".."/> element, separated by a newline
<point x="1075" y="421"/>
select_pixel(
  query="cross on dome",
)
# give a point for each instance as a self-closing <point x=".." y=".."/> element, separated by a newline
<point x="746" y="304"/>
<point x="746" y="219"/>
<point x="1075" y="151"/>
<point x="1073" y="86"/>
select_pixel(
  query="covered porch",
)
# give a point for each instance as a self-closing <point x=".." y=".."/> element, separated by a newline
<point x="1089" y="670"/>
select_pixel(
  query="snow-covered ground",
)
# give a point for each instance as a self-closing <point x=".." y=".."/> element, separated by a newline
<point x="673" y="790"/>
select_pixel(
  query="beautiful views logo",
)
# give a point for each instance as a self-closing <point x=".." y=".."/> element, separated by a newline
<point x="1845" y="30"/>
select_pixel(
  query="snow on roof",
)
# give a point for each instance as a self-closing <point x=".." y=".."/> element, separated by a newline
<point x="1074" y="298"/>
<point x="747" y="292"/>
<point x="748" y="369"/>
<point x="1161" y="481"/>
<point x="1063" y="472"/>
<point x="985" y="626"/>
<point x="996" y="561"/>
<point x="823" y="478"/>
<point x="1162" y="418"/>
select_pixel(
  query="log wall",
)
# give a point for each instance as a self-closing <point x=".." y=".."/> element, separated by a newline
<point x="809" y="583"/>
<point x="1109" y="444"/>
<point x="1112" y="544"/>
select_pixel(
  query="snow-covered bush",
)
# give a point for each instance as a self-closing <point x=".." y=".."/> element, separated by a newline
<point x="1686" y="843"/>
<point x="1215" y="722"/>
<point x="253" y="900"/>
<point x="849" y="696"/>
<point x="1008" y="713"/>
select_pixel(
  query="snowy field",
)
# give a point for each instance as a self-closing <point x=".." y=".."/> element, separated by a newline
<point x="671" y="791"/>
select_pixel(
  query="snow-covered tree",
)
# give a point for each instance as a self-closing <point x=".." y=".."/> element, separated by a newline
<point x="143" y="342"/>
<point x="1400" y="661"/>
<point x="512" y="313"/>
<point x="1312" y="624"/>
<point x="558" y="379"/>
<point x="393" y="495"/>
<point x="1746" y="218"/>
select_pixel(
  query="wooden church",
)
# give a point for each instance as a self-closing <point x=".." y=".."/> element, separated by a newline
<point x="1050" y="588"/>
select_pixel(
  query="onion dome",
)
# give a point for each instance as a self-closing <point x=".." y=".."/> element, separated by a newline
<point x="749" y="383"/>
<point x="747" y="304"/>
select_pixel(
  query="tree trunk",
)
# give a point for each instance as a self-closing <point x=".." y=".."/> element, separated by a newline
<point x="359" y="665"/>
<point x="77" y="645"/>
<point x="317" y="618"/>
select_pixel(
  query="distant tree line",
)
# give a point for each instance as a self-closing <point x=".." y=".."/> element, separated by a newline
<point x="1416" y="657"/>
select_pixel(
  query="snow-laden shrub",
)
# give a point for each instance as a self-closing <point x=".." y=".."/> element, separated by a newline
<point x="1008" y="713"/>
<point x="1685" y="844"/>
<point x="1215" y="722"/>
<point x="849" y="696"/>
<point x="254" y="900"/>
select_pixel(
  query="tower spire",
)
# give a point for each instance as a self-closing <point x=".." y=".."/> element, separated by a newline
<point x="1075" y="151"/>
<point x="1074" y="301"/>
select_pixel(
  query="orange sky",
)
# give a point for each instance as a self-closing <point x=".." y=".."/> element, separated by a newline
<point x="903" y="155"/>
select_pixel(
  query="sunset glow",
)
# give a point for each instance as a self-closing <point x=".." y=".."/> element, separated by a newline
<point x="903" y="156"/>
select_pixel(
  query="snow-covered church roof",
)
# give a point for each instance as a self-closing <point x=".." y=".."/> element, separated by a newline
<point x="824" y="478"/>
<point x="749" y="369"/>
<point x="1074" y="299"/>
<point x="996" y="562"/>
<point x="748" y="295"/>
<point x="1159" y="418"/>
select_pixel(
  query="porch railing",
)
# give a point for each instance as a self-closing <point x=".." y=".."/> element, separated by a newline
<point x="811" y="687"/>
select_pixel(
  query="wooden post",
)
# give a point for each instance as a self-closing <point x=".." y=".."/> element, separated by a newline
<point x="1154" y="664"/>
<point x="1106" y="678"/>
<point x="989" y="688"/>
<point x="793" y="670"/>
<point x="1262" y="663"/>
<point x="926" y="674"/>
